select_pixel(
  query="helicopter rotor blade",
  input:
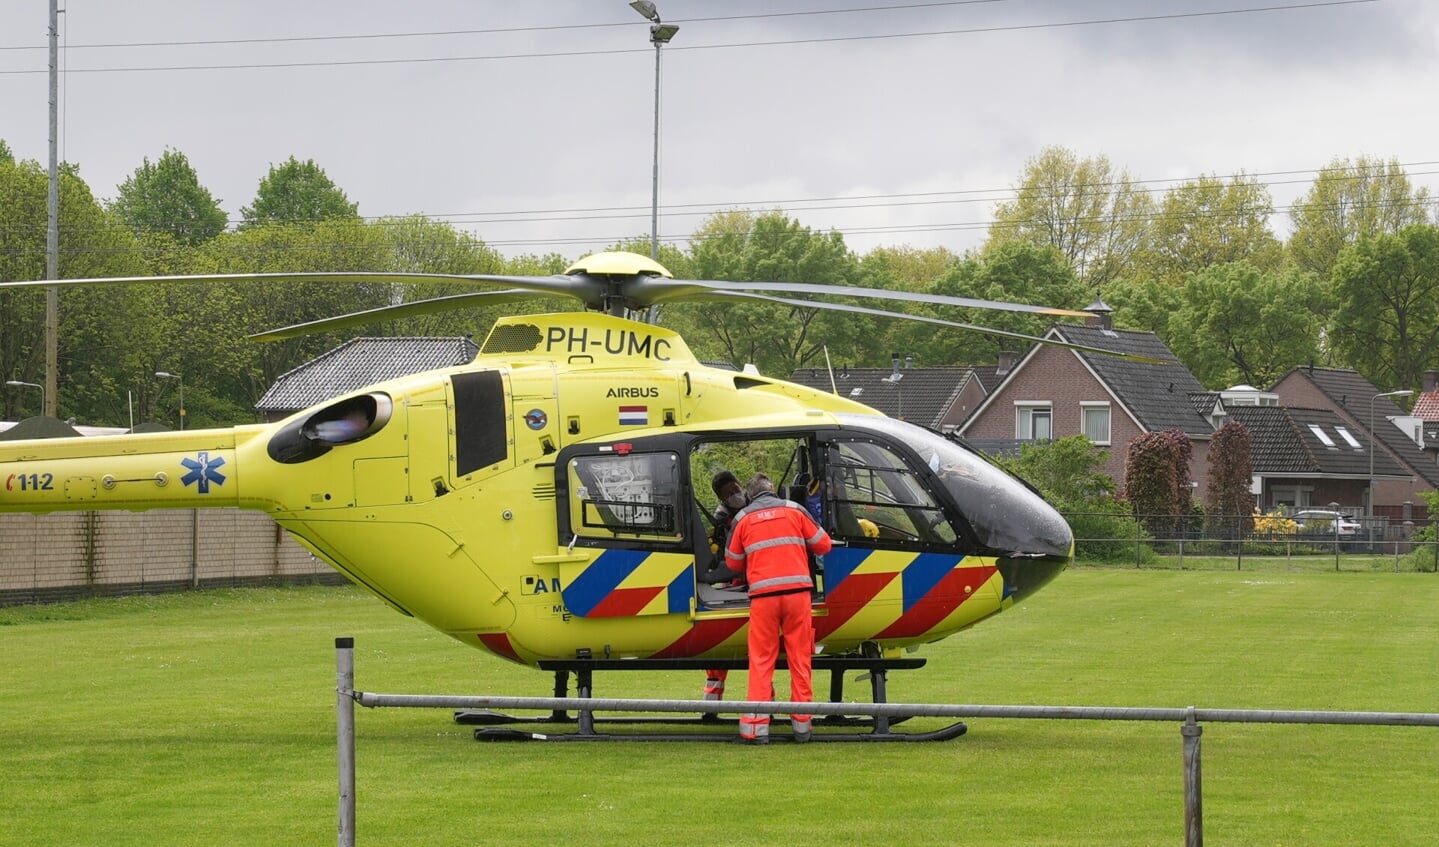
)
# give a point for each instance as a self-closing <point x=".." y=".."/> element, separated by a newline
<point x="671" y="290"/>
<point x="731" y="296"/>
<point x="413" y="308"/>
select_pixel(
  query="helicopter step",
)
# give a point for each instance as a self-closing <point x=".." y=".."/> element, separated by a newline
<point x="494" y="725"/>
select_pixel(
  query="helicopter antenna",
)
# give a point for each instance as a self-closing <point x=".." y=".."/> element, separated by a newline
<point x="829" y="367"/>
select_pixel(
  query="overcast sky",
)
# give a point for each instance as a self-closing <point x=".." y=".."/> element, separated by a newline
<point x="531" y="124"/>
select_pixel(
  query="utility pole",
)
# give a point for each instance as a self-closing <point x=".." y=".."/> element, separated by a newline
<point x="52" y="229"/>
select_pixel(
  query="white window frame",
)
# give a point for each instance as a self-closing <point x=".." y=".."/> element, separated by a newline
<point x="1086" y="407"/>
<point x="1025" y="412"/>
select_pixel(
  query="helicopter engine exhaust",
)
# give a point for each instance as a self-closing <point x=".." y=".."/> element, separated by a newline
<point x="345" y="422"/>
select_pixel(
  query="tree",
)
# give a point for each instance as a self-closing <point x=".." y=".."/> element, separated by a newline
<point x="1209" y="222"/>
<point x="94" y="342"/>
<point x="6" y="157"/>
<point x="1350" y="201"/>
<point x="1227" y="500"/>
<point x="1156" y="480"/>
<point x="1385" y="322"/>
<point x="298" y="191"/>
<point x="1014" y="273"/>
<point x="777" y="338"/>
<point x="1094" y="216"/>
<point x="1234" y="323"/>
<point x="167" y="197"/>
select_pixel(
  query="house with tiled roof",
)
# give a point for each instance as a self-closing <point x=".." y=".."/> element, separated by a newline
<point x="357" y="363"/>
<point x="939" y="398"/>
<point x="1055" y="392"/>
<point x="1310" y="458"/>
<point x="1426" y="413"/>
<point x="1358" y="402"/>
<point x="924" y="396"/>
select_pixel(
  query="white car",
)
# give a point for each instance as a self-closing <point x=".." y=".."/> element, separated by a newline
<point x="1325" y="522"/>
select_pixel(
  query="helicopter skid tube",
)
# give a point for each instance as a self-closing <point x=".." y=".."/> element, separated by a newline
<point x="493" y="729"/>
<point x="954" y="730"/>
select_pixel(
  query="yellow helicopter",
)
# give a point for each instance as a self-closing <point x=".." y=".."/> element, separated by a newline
<point x="550" y="501"/>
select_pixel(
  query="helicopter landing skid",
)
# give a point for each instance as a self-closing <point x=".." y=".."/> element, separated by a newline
<point x="497" y="726"/>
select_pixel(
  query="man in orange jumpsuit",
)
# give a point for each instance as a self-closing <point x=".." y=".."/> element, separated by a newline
<point x="769" y="545"/>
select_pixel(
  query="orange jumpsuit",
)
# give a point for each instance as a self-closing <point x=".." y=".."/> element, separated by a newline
<point x="769" y="545"/>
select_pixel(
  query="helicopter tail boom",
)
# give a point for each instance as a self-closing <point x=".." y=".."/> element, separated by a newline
<point x="194" y="469"/>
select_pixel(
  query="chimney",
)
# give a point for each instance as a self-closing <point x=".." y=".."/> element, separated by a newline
<point x="1006" y="363"/>
<point x="894" y="363"/>
<point x="1101" y="312"/>
<point x="1431" y="381"/>
<point x="908" y="362"/>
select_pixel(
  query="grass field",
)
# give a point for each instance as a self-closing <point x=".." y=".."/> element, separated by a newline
<point x="208" y="718"/>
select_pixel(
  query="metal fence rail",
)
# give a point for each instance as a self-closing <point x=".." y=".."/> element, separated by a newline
<point x="1189" y="718"/>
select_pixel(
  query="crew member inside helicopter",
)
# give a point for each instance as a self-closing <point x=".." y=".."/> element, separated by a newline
<point x="731" y="499"/>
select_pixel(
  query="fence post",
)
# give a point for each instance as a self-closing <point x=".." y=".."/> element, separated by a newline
<point x="345" y="728"/>
<point x="1193" y="801"/>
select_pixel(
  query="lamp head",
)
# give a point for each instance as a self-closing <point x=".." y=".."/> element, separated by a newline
<point x="646" y="8"/>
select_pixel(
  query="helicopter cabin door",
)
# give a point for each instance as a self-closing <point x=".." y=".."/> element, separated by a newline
<point x="624" y="507"/>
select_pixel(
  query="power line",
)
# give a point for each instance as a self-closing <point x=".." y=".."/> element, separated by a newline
<point x="498" y="30"/>
<point x="687" y="48"/>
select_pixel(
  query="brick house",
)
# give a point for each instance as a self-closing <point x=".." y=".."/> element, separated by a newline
<point x="1055" y="392"/>
<point x="1355" y="400"/>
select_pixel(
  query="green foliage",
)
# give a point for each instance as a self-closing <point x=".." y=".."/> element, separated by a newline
<point x="1067" y="471"/>
<point x="6" y="156"/>
<point x="1425" y="556"/>
<point x="1156" y="474"/>
<point x="1209" y="222"/>
<point x="1236" y="323"/>
<point x="1013" y="272"/>
<point x="295" y="191"/>
<point x="92" y="244"/>
<point x="777" y="338"/>
<point x="1350" y="201"/>
<point x="1386" y="316"/>
<point x="167" y="197"/>
<point x="1092" y="214"/>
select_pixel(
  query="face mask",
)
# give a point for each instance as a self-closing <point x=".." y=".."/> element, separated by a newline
<point x="736" y="501"/>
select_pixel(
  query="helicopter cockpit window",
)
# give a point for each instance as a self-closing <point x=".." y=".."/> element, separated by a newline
<point x="877" y="495"/>
<point x="629" y="495"/>
<point x="1004" y="517"/>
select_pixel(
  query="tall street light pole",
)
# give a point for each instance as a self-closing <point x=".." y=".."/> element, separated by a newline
<point x="15" y="383"/>
<point x="1372" y="440"/>
<point x="660" y="35"/>
<point x="165" y="375"/>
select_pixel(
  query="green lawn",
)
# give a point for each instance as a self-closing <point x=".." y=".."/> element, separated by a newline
<point x="209" y="718"/>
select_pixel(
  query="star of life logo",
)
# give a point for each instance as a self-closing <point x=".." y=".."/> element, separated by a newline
<point x="203" y="470"/>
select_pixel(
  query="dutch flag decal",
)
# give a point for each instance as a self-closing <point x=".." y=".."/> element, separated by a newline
<point x="634" y="416"/>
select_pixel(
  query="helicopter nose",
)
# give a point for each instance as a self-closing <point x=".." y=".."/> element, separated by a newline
<point x="1025" y="575"/>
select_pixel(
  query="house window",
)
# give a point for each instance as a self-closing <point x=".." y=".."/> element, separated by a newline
<point x="1033" y="422"/>
<point x="1096" y="422"/>
<point x="1348" y="439"/>
<point x="1322" y="436"/>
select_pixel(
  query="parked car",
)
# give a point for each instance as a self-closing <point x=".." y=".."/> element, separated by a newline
<point x="1324" y="522"/>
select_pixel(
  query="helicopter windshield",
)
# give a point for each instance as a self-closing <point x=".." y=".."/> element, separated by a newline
<point x="1004" y="514"/>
